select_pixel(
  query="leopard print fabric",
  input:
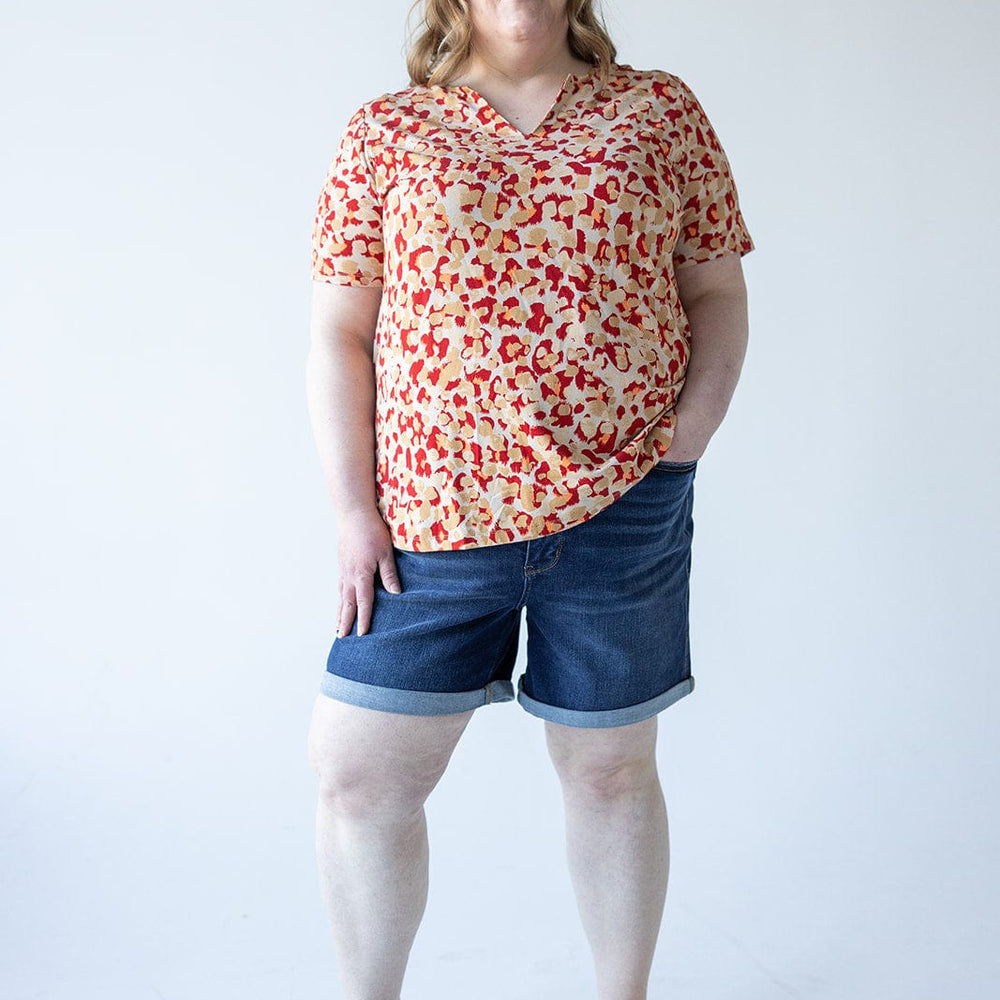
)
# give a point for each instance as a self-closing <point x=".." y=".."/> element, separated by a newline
<point x="530" y="344"/>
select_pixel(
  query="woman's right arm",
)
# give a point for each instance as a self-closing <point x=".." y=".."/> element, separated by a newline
<point x="340" y="387"/>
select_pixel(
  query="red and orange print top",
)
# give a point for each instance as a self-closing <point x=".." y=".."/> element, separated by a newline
<point x="530" y="343"/>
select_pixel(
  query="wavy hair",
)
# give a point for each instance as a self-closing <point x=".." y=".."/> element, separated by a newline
<point x="442" y="41"/>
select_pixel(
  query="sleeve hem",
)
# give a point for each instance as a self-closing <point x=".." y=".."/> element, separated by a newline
<point x="348" y="279"/>
<point x="742" y="248"/>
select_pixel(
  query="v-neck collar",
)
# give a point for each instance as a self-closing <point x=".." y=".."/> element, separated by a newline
<point x="571" y="85"/>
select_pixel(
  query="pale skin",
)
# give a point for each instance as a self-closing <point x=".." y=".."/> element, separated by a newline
<point x="376" y="769"/>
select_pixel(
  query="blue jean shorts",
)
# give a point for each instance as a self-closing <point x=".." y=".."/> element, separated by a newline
<point x="606" y="605"/>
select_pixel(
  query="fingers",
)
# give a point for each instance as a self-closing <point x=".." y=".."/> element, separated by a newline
<point x="364" y="594"/>
<point x="345" y="610"/>
<point x="340" y="608"/>
<point x="390" y="576"/>
<point x="356" y="598"/>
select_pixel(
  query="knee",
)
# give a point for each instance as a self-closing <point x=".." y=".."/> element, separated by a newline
<point x="356" y="787"/>
<point x="606" y="780"/>
<point x="603" y="765"/>
<point x="363" y="778"/>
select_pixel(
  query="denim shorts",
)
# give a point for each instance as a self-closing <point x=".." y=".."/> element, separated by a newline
<point x="606" y="608"/>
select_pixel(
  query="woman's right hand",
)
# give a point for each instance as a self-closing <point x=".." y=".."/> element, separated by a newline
<point x="364" y="548"/>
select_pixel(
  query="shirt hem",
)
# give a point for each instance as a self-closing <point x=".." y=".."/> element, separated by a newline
<point x="469" y="542"/>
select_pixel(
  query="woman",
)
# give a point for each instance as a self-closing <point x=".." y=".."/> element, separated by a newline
<point x="519" y="261"/>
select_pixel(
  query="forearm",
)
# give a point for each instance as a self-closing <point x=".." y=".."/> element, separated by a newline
<point x="719" y="333"/>
<point x="340" y="387"/>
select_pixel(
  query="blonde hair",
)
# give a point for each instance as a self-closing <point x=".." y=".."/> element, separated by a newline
<point x="443" y="39"/>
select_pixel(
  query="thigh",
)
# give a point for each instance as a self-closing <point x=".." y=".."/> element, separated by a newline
<point x="349" y="745"/>
<point x="608" y="625"/>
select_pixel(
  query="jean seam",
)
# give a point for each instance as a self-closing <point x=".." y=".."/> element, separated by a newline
<point x="544" y="569"/>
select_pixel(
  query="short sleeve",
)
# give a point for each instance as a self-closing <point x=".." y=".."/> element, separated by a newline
<point x="347" y="230"/>
<point x="711" y="223"/>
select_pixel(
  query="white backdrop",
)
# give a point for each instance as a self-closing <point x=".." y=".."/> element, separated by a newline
<point x="168" y="559"/>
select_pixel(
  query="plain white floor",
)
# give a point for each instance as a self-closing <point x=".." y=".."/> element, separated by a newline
<point x="168" y="564"/>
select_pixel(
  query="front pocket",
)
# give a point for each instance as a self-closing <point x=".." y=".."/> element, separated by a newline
<point x="666" y="466"/>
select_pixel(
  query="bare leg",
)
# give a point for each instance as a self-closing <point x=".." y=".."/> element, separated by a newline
<point x="376" y="770"/>
<point x="617" y="846"/>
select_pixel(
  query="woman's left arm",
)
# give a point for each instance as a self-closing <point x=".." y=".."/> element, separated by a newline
<point x="713" y="294"/>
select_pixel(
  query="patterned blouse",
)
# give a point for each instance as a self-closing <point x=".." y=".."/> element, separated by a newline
<point x="530" y="343"/>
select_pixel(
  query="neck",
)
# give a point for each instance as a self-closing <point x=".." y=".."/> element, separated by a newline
<point x="514" y="60"/>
